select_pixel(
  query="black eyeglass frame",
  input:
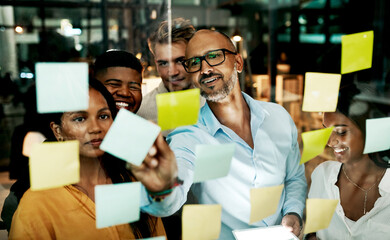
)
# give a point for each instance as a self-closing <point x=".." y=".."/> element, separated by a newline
<point x="204" y="58"/>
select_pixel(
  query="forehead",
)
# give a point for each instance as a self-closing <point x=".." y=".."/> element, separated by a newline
<point x="204" y="41"/>
<point x="121" y="73"/>
<point x="336" y="118"/>
<point x="177" y="50"/>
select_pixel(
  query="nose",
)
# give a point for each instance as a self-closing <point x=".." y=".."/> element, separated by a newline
<point x="332" y="141"/>
<point x="124" y="91"/>
<point x="205" y="68"/>
<point x="94" y="126"/>
<point x="173" y="70"/>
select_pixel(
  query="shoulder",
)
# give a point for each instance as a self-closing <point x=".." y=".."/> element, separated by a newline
<point x="326" y="168"/>
<point x="324" y="175"/>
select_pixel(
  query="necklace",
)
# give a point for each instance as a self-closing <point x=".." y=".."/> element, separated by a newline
<point x="364" y="190"/>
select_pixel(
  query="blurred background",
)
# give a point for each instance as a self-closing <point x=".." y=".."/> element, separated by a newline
<point x="280" y="40"/>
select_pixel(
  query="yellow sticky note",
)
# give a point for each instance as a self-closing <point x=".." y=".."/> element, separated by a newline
<point x="264" y="202"/>
<point x="176" y="109"/>
<point x="314" y="143"/>
<point x="201" y="221"/>
<point x="54" y="164"/>
<point x="319" y="213"/>
<point x="321" y="92"/>
<point x="356" y="51"/>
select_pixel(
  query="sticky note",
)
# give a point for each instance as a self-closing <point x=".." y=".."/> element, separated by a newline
<point x="179" y="108"/>
<point x="264" y="233"/>
<point x="314" y="143"/>
<point x="356" y="51"/>
<point x="61" y="87"/>
<point x="377" y="135"/>
<point x="54" y="164"/>
<point x="264" y="202"/>
<point x="201" y="221"/>
<point x="130" y="137"/>
<point x="321" y="92"/>
<point x="212" y="161"/>
<point x="319" y="213"/>
<point x="117" y="203"/>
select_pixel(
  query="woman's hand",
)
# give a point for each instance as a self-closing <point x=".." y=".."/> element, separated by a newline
<point x="158" y="171"/>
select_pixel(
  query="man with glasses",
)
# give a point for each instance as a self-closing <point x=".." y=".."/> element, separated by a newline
<point x="265" y="138"/>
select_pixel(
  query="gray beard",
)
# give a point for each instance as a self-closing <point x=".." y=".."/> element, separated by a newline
<point x="224" y="91"/>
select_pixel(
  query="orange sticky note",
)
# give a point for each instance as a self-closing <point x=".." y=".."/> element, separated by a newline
<point x="201" y="221"/>
<point x="264" y="202"/>
<point x="356" y="51"/>
<point x="54" y="164"/>
<point x="321" y="92"/>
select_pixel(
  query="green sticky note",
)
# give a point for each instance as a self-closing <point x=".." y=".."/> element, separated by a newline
<point x="321" y="92"/>
<point x="356" y="51"/>
<point x="54" y="164"/>
<point x="377" y="135"/>
<point x="201" y="221"/>
<point x="212" y="161"/>
<point x="130" y="137"/>
<point x="177" y="109"/>
<point x="264" y="202"/>
<point x="117" y="203"/>
<point x="319" y="213"/>
<point x="314" y="143"/>
<point x="61" y="87"/>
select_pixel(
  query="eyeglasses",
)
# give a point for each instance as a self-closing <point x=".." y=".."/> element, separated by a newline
<point x="213" y="58"/>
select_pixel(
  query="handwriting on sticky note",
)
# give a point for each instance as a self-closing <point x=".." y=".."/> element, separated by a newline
<point x="201" y="221"/>
<point x="356" y="51"/>
<point x="377" y="135"/>
<point x="264" y="202"/>
<point x="319" y="213"/>
<point x="179" y="108"/>
<point x="130" y="137"/>
<point x="321" y="92"/>
<point x="314" y="143"/>
<point x="54" y="164"/>
<point x="61" y="87"/>
<point x="212" y="161"/>
<point x="117" y="203"/>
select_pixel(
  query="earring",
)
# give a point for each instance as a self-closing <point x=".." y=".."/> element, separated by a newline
<point x="60" y="139"/>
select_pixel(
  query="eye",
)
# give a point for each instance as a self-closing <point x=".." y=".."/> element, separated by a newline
<point x="213" y="55"/>
<point x="341" y="133"/>
<point x="163" y="64"/>
<point x="104" y="116"/>
<point x="78" y="119"/>
<point x="113" y="84"/>
<point x="193" y="62"/>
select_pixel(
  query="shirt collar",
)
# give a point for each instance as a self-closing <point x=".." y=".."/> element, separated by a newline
<point x="384" y="185"/>
<point x="208" y="118"/>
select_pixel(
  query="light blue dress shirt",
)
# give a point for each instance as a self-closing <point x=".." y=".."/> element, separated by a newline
<point x="273" y="161"/>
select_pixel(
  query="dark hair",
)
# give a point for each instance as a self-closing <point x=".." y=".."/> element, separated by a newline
<point x="116" y="58"/>
<point x="182" y="30"/>
<point x="358" y="112"/>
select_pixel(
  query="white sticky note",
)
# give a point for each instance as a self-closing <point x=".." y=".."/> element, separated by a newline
<point x="117" y="203"/>
<point x="264" y="233"/>
<point x="377" y="135"/>
<point x="212" y="161"/>
<point x="61" y="87"/>
<point x="130" y="137"/>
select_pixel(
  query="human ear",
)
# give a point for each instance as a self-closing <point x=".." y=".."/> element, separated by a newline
<point x="57" y="131"/>
<point x="239" y="62"/>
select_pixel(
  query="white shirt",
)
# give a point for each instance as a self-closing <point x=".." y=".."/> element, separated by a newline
<point x="374" y="225"/>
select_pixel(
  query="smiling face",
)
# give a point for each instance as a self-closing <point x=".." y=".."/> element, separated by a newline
<point x="215" y="83"/>
<point x="171" y="70"/>
<point x="124" y="84"/>
<point x="347" y="140"/>
<point x="88" y="127"/>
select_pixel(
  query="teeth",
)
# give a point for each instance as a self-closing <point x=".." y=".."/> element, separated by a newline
<point x="210" y="80"/>
<point x="122" y="104"/>
<point x="340" y="150"/>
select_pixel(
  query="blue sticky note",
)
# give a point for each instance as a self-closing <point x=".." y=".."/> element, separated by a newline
<point x="117" y="204"/>
<point x="212" y="161"/>
<point x="61" y="87"/>
<point x="130" y="137"/>
<point x="377" y="135"/>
